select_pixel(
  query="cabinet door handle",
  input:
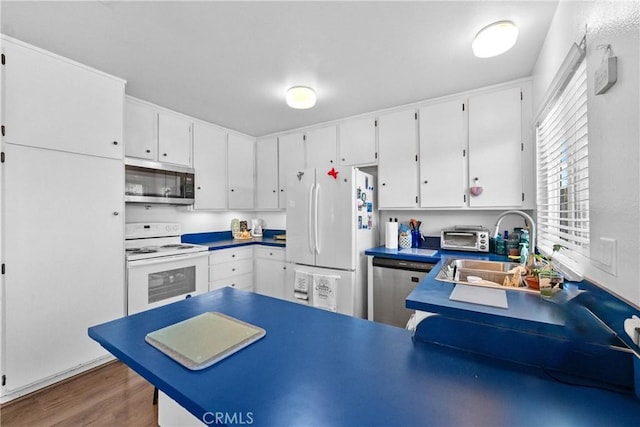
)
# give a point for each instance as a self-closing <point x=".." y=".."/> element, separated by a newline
<point x="426" y="182"/>
<point x="147" y="151"/>
<point x="343" y="159"/>
<point x="274" y="191"/>
<point x="232" y="190"/>
<point x="199" y="188"/>
<point x="233" y="269"/>
<point x="115" y="142"/>
<point x="233" y="255"/>
<point x="116" y="213"/>
<point x="164" y="154"/>
<point x="384" y="184"/>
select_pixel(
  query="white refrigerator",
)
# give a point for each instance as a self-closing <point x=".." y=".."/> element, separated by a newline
<point x="331" y="221"/>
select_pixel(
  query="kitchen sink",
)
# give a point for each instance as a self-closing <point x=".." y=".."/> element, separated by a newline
<point x="480" y="273"/>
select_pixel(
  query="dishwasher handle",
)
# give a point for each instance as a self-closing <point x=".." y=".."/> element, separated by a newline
<point x="400" y="264"/>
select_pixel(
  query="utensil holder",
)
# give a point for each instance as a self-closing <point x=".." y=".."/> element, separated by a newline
<point x="404" y="241"/>
<point x="416" y="237"/>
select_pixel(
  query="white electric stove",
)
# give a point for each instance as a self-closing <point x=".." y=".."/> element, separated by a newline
<point x="161" y="269"/>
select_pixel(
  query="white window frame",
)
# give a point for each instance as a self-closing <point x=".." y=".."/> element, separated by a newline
<point x="562" y="173"/>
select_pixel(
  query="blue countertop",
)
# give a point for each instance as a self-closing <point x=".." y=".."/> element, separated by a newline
<point x="319" y="368"/>
<point x="224" y="239"/>
<point x="526" y="311"/>
<point x="579" y="336"/>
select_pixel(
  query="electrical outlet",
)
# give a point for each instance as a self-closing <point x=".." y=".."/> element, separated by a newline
<point x="605" y="256"/>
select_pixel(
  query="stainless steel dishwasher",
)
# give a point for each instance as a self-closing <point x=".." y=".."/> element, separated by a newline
<point x="393" y="281"/>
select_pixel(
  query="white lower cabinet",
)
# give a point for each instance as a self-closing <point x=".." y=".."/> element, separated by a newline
<point x="251" y="268"/>
<point x="270" y="268"/>
<point x="171" y="414"/>
<point x="231" y="267"/>
<point x="63" y="252"/>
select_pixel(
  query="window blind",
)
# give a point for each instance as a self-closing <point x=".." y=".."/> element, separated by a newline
<point x="563" y="169"/>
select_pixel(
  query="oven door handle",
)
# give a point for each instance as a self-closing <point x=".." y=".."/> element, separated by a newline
<point x="163" y="259"/>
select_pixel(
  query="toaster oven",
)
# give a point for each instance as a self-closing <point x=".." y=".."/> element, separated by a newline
<point x="465" y="238"/>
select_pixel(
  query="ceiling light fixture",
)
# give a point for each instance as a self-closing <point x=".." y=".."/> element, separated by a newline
<point x="301" y="97"/>
<point x="495" y="39"/>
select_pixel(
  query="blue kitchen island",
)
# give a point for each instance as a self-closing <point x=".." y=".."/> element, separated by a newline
<point x="316" y="368"/>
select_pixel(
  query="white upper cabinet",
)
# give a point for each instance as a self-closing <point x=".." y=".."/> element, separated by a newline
<point x="156" y="134"/>
<point x="495" y="148"/>
<point x="267" y="173"/>
<point x="141" y="130"/>
<point x="443" y="144"/>
<point x="290" y="159"/>
<point x="52" y="102"/>
<point x="398" y="160"/>
<point x="174" y="139"/>
<point x="321" y="148"/>
<point x="357" y="142"/>
<point x="210" y="164"/>
<point x="240" y="163"/>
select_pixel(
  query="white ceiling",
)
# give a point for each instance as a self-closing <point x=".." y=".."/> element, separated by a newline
<point x="230" y="62"/>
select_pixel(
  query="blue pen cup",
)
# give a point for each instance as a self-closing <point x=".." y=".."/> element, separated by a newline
<point x="415" y="238"/>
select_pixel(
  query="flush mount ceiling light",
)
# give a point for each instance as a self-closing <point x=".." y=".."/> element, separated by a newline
<point x="301" y="97"/>
<point x="495" y="39"/>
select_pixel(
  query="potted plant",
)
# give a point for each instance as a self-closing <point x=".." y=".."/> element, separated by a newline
<point x="543" y="275"/>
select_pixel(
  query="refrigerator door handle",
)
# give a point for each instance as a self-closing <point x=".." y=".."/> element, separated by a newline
<point x="310" y="225"/>
<point x="315" y="220"/>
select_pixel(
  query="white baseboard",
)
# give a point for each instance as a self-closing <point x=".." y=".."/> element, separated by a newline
<point x="33" y="387"/>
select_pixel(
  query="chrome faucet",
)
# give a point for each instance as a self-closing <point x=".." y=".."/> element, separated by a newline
<point x="529" y="223"/>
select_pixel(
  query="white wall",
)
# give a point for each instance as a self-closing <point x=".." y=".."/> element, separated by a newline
<point x="434" y="221"/>
<point x="199" y="221"/>
<point x="613" y="130"/>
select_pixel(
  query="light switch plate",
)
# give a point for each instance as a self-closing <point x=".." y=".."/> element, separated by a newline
<point x="604" y="255"/>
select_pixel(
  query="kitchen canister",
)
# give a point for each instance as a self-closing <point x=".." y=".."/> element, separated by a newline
<point x="404" y="241"/>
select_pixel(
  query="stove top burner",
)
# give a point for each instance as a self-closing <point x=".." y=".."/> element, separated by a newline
<point x="142" y="251"/>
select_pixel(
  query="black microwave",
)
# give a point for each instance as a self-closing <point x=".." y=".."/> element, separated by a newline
<point x="152" y="182"/>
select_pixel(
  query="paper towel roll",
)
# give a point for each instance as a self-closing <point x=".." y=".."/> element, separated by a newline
<point x="391" y="235"/>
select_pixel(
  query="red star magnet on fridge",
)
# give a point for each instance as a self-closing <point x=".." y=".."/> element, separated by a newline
<point x="334" y="173"/>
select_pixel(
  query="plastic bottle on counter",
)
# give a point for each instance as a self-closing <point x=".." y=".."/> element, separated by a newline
<point x="524" y="253"/>
<point x="500" y="246"/>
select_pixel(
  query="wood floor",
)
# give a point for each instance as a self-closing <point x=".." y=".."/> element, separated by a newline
<point x="111" y="395"/>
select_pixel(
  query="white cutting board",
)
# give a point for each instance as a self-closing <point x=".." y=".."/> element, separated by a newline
<point x="480" y="295"/>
